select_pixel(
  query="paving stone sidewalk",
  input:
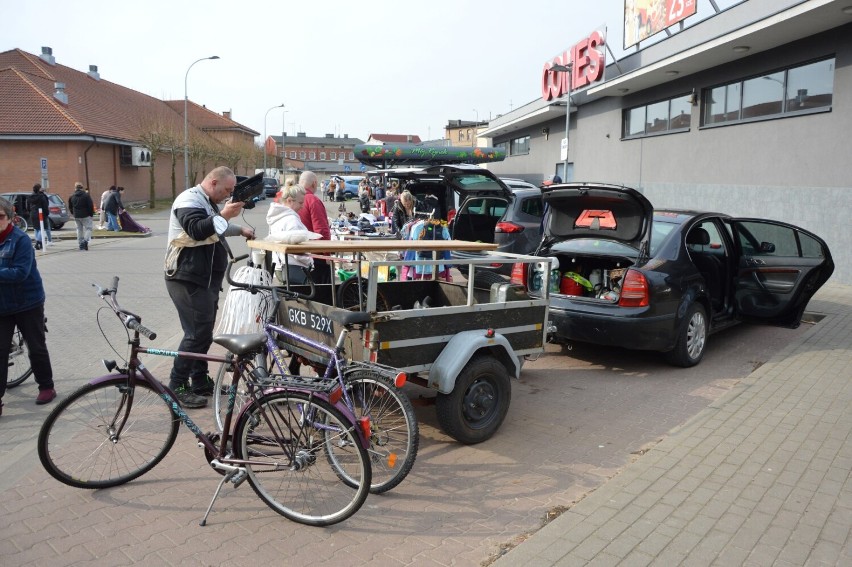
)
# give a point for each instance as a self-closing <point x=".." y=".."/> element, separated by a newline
<point x="760" y="477"/>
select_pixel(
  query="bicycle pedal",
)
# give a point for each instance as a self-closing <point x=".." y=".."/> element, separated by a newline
<point x="239" y="478"/>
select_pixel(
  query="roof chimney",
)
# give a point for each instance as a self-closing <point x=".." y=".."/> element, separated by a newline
<point x="329" y="135"/>
<point x="226" y="114"/>
<point x="60" y="94"/>
<point x="47" y="55"/>
<point x="93" y="72"/>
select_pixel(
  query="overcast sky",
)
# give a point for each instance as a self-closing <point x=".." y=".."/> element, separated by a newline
<point x="340" y="67"/>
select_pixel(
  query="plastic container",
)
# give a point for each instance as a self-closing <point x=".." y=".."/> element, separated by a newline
<point x="554" y="281"/>
<point x="569" y="286"/>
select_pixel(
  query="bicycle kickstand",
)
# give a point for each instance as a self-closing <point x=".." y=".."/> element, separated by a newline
<point x="228" y="476"/>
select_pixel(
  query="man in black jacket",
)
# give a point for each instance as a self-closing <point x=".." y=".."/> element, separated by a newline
<point x="38" y="200"/>
<point x="195" y="266"/>
<point x="83" y="210"/>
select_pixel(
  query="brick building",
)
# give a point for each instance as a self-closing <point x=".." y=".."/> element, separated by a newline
<point x="85" y="128"/>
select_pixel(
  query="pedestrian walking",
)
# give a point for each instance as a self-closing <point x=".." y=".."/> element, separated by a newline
<point x="82" y="209"/>
<point x="113" y="207"/>
<point x="22" y="305"/>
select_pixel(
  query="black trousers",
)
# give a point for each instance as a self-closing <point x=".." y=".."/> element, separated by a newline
<point x="196" y="306"/>
<point x="31" y="324"/>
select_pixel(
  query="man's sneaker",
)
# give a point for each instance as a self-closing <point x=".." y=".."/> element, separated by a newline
<point x="203" y="386"/>
<point x="45" y="396"/>
<point x="189" y="400"/>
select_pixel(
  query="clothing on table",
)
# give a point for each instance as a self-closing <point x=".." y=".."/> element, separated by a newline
<point x="419" y="229"/>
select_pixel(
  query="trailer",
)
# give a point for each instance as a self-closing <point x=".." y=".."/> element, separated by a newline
<point x="463" y="338"/>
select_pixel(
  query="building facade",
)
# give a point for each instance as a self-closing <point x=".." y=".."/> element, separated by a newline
<point x="745" y="112"/>
<point x="325" y="155"/>
<point x="59" y="126"/>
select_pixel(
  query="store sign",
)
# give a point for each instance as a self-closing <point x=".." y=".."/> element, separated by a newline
<point x="589" y="60"/>
<point x="644" y="18"/>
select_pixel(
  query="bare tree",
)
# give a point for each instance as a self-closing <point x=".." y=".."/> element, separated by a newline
<point x="157" y="133"/>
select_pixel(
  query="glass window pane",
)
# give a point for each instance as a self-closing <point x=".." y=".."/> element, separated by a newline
<point x="763" y="96"/>
<point x="732" y="101"/>
<point x="756" y="236"/>
<point x="681" y="113"/>
<point x="635" y="122"/>
<point x="714" y="105"/>
<point x="658" y="116"/>
<point x="811" y="248"/>
<point x="810" y="86"/>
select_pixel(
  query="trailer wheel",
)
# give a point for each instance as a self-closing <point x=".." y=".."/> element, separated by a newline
<point x="476" y="407"/>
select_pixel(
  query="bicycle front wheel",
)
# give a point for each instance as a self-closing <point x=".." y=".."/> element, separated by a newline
<point x="395" y="435"/>
<point x="286" y="437"/>
<point x="80" y="445"/>
<point x="19" y="361"/>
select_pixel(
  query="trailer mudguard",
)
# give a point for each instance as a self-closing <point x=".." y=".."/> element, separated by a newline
<point x="460" y="349"/>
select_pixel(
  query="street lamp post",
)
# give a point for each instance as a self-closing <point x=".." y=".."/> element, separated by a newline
<point x="264" y="134"/>
<point x="185" y="123"/>
<point x="565" y="69"/>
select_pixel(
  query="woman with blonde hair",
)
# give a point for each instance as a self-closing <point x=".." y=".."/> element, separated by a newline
<point x="286" y="226"/>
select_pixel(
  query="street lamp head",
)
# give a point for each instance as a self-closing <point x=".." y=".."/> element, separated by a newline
<point x="213" y="57"/>
<point x="561" y="68"/>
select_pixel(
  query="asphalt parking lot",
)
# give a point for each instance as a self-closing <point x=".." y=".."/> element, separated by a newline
<point x="576" y="419"/>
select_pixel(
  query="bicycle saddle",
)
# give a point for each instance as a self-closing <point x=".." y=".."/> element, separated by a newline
<point x="242" y="344"/>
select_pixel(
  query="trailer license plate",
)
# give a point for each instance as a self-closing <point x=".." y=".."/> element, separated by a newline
<point x="310" y="320"/>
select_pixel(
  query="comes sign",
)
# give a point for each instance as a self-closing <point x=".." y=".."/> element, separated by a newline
<point x="589" y="60"/>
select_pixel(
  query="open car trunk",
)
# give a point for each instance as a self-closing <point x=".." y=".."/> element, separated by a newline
<point x="477" y="218"/>
<point x="589" y="276"/>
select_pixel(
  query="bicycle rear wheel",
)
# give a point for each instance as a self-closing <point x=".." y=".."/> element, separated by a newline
<point x="395" y="435"/>
<point x="19" y="361"/>
<point x="78" y="445"/>
<point x="287" y="437"/>
<point x="20" y="222"/>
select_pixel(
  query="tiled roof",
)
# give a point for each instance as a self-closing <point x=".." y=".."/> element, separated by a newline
<point x="396" y="138"/>
<point x="95" y="107"/>
<point x="205" y="119"/>
<point x="317" y="141"/>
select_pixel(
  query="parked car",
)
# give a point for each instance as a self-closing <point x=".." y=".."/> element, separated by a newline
<point x="665" y="280"/>
<point x="270" y="187"/>
<point x="58" y="214"/>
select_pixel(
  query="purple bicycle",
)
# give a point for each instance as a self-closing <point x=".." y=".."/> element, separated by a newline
<point x="301" y="450"/>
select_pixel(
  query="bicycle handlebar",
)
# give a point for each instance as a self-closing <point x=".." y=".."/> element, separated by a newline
<point x="130" y="320"/>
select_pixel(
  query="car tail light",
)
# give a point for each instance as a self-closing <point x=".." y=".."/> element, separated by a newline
<point x="519" y="274"/>
<point x="508" y="228"/>
<point x="55" y="210"/>
<point x="634" y="290"/>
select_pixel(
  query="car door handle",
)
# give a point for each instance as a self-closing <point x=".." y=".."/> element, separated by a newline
<point x="755" y="262"/>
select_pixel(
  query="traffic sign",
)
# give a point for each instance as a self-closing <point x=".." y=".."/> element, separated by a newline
<point x="363" y="167"/>
<point x="44" y="166"/>
<point x="347" y="168"/>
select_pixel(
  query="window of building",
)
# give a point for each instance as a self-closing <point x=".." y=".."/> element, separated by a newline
<point x="351" y="156"/>
<point x="461" y="135"/>
<point x="468" y="135"/>
<point x="334" y="155"/>
<point x="303" y="155"/>
<point x="293" y="155"/>
<point x="322" y="156"/>
<point x="503" y="146"/>
<point x="671" y="115"/>
<point x="781" y="93"/>
<point x="313" y="156"/>
<point x="519" y="146"/>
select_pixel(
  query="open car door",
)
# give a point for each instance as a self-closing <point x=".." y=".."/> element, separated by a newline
<point x="780" y="267"/>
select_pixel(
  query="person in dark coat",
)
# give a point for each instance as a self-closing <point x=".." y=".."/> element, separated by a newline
<point x="113" y="206"/>
<point x="82" y="209"/>
<point x="38" y="200"/>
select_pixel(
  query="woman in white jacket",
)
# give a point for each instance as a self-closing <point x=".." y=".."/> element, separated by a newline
<point x="285" y="226"/>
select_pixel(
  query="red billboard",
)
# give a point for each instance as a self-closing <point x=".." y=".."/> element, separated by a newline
<point x="644" y="18"/>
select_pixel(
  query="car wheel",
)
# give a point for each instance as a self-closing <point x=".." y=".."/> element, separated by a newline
<point x="692" y="338"/>
<point x="56" y="225"/>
